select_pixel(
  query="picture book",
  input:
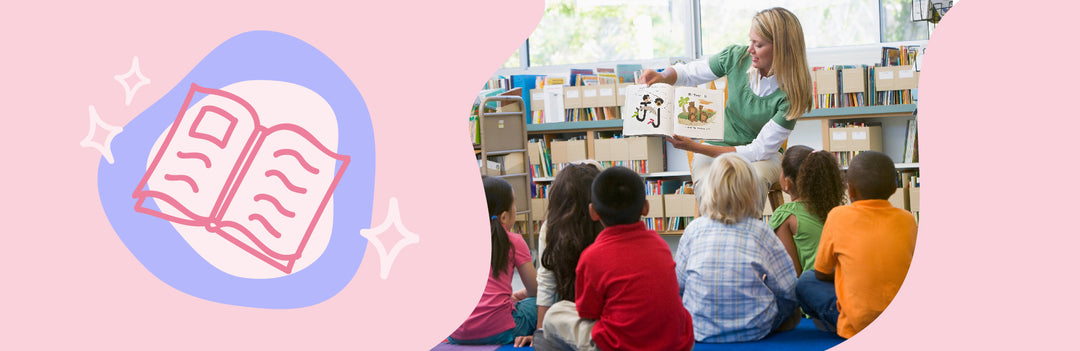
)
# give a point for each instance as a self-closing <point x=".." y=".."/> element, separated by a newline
<point x="661" y="109"/>
<point x="261" y="187"/>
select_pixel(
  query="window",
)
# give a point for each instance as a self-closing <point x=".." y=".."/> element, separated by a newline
<point x="896" y="20"/>
<point x="580" y="31"/>
<point x="593" y="31"/>
<point x="825" y="23"/>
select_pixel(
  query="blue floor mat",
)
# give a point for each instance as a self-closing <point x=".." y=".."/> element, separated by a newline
<point x="804" y="337"/>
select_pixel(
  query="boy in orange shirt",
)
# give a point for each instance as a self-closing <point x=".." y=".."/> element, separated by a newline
<point x="865" y="249"/>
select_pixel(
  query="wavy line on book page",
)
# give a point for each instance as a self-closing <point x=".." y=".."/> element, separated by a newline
<point x="192" y="220"/>
<point x="285" y="180"/>
<point x="266" y="224"/>
<point x="251" y="236"/>
<point x="300" y="159"/>
<point x="195" y="155"/>
<point x="183" y="178"/>
<point x="277" y="205"/>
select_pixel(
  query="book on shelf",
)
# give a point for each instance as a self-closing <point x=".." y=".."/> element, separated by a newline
<point x="527" y="83"/>
<point x="627" y="72"/>
<point x="911" y="145"/>
<point x="661" y="109"/>
<point x="221" y="168"/>
<point x="554" y="110"/>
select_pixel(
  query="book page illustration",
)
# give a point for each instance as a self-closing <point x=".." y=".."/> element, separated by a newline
<point x="701" y="113"/>
<point x="202" y="151"/>
<point x="282" y="192"/>
<point x="649" y="110"/>
<point x="245" y="188"/>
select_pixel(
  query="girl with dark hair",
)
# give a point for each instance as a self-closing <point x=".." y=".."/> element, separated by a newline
<point x="567" y="231"/>
<point x="502" y="316"/>
<point x="814" y="181"/>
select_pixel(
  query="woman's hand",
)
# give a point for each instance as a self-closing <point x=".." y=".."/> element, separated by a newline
<point x="682" y="143"/>
<point x="650" y="77"/>
<point x="523" y="341"/>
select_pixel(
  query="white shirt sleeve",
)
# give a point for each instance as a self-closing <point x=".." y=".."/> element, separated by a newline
<point x="545" y="279"/>
<point x="694" y="73"/>
<point x="768" y="141"/>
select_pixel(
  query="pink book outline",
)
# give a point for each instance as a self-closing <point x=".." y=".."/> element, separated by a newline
<point x="209" y="143"/>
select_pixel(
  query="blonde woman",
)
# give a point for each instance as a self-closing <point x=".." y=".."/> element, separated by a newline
<point x="768" y="89"/>
<point x="735" y="277"/>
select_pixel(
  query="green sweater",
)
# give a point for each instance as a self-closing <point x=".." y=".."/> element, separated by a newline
<point x="745" y="112"/>
<point x="807" y="235"/>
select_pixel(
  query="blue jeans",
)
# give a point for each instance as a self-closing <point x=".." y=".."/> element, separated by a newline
<point x="818" y="299"/>
<point x="524" y="325"/>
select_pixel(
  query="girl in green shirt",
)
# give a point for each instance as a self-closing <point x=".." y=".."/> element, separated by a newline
<point x="815" y="184"/>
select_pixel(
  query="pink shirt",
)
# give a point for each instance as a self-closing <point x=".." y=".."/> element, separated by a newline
<point x="492" y="314"/>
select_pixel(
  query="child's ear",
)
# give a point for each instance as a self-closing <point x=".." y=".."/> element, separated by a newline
<point x="505" y="216"/>
<point x="592" y="213"/>
<point x="645" y="209"/>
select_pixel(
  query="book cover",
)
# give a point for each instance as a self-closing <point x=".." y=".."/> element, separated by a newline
<point x="661" y="109"/>
<point x="261" y="188"/>
<point x="627" y="72"/>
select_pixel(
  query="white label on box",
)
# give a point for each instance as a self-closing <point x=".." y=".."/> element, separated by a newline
<point x="839" y="136"/>
<point x="538" y="97"/>
<point x="572" y="94"/>
<point x="502" y="123"/>
<point x="858" y="135"/>
<point x="907" y="74"/>
<point x="605" y="92"/>
<point x="885" y="75"/>
<point x="590" y="93"/>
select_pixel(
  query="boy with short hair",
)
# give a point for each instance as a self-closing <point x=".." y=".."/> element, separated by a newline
<point x="866" y="249"/>
<point x="627" y="293"/>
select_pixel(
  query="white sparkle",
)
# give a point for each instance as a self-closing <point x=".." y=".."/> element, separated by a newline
<point x="95" y="123"/>
<point x="393" y="217"/>
<point x="129" y="91"/>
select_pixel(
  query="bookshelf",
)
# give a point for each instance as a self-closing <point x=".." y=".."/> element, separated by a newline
<point x="592" y="131"/>
<point x="501" y="152"/>
<point x="907" y="196"/>
<point x="826" y="116"/>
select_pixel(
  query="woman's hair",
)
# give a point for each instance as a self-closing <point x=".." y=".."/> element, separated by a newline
<point x="569" y="228"/>
<point x="731" y="191"/>
<point x="793" y="159"/>
<point x="820" y="184"/>
<point x="500" y="196"/>
<point x="781" y="28"/>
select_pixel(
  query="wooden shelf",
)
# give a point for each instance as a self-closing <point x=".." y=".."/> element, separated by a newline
<point x="574" y="126"/>
<point x="671" y="174"/>
<point x="677" y="232"/>
<point x="504" y="152"/>
<point x="827" y="115"/>
<point x="861" y="112"/>
<point x="899" y="166"/>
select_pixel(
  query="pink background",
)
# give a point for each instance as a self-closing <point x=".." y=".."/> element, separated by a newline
<point x="990" y="268"/>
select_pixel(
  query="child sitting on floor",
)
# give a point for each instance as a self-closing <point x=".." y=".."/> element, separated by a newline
<point x="734" y="276"/>
<point x="626" y="293"/>
<point x="498" y="319"/>
<point x="865" y="248"/>
<point x="816" y="185"/>
<point x="566" y="232"/>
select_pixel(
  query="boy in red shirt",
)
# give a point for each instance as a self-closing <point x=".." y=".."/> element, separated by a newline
<point x="626" y="289"/>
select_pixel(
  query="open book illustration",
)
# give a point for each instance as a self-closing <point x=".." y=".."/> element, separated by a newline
<point x="261" y="188"/>
<point x="662" y="109"/>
